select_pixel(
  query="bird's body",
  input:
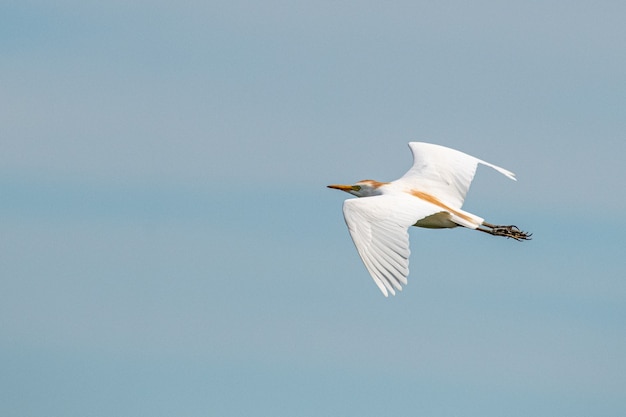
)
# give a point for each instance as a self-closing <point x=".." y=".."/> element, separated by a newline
<point x="429" y="195"/>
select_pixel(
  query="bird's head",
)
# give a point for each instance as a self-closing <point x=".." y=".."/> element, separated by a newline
<point x="364" y="188"/>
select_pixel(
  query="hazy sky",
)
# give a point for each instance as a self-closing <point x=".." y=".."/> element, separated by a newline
<point x="168" y="246"/>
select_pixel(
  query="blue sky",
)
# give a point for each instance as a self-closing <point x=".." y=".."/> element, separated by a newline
<point x="168" y="246"/>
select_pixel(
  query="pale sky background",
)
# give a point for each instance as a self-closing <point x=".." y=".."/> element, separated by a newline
<point x="168" y="246"/>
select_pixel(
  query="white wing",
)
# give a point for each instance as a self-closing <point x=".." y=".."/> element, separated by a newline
<point x="443" y="172"/>
<point x="379" y="229"/>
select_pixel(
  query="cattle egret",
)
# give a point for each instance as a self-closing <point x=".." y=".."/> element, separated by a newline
<point x="429" y="195"/>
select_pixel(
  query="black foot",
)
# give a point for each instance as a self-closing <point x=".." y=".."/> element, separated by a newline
<point x="512" y="232"/>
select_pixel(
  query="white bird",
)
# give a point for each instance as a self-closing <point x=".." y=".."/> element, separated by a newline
<point x="429" y="195"/>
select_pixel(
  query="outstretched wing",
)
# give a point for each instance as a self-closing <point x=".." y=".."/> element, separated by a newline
<point x="379" y="229"/>
<point x="443" y="172"/>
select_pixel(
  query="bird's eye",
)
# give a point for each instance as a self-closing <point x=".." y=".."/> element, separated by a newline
<point x="356" y="187"/>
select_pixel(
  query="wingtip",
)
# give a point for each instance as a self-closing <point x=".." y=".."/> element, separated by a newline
<point x="503" y="171"/>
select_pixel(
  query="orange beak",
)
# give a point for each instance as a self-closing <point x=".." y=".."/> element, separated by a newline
<point x="346" y="188"/>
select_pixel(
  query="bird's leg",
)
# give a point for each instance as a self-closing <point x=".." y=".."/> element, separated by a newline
<point x="506" y="231"/>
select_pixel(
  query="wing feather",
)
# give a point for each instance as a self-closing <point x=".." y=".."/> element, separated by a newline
<point x="446" y="173"/>
<point x="388" y="256"/>
<point x="379" y="226"/>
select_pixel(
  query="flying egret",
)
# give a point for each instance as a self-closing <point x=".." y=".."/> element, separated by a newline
<point x="429" y="195"/>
